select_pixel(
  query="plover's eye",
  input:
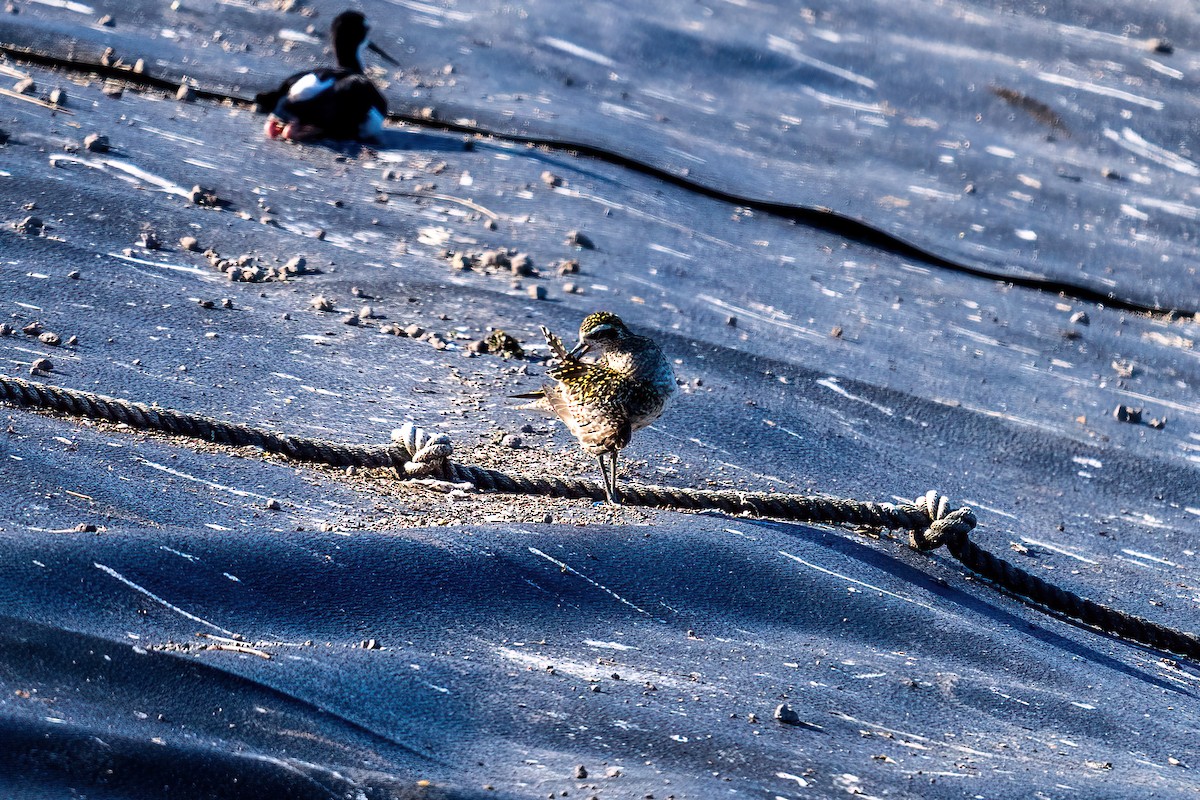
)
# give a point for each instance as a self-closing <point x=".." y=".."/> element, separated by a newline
<point x="603" y="333"/>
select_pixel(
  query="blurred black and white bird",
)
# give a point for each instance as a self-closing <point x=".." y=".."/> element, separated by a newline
<point x="604" y="402"/>
<point x="331" y="102"/>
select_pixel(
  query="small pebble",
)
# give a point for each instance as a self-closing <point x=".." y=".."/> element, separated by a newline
<point x="96" y="143"/>
<point x="569" y="267"/>
<point x="72" y="341"/>
<point x="74" y="275"/>
<point x="321" y="303"/>
<point x="581" y="772"/>
<point x="521" y="264"/>
<point x="185" y="93"/>
<point x="786" y="715"/>
<point x="85" y="527"/>
<point x="206" y="303"/>
<point x="537" y="292"/>
<point x="731" y="322"/>
<point x="366" y="312"/>
<point x="113" y="89"/>
<point x="580" y="240"/>
<point x="41" y="365"/>
<point x="32" y="329"/>
<point x="571" y="288"/>
<point x="25" y="86"/>
<point x="551" y="180"/>
<point x="149" y="240"/>
<point x="49" y="338"/>
<point x="58" y="97"/>
<point x="512" y="441"/>
<point x="295" y="265"/>
<point x="226" y="302"/>
<point x="272" y="505"/>
<point x="350" y="319"/>
<point x="370" y="644"/>
<point x="189" y="243"/>
<point x="32" y="225"/>
<point x="6" y="329"/>
<point x="1080" y="318"/>
<point x="107" y="21"/>
<point x="478" y="346"/>
<point x="414" y="331"/>
<point x="1128" y="414"/>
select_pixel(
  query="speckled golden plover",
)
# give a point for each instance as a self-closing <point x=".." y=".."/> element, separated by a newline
<point x="603" y="402"/>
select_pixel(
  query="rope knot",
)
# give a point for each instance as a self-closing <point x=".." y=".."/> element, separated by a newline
<point x="424" y="454"/>
<point x="947" y="526"/>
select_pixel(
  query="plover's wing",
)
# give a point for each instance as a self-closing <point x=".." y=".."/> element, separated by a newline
<point x="556" y="345"/>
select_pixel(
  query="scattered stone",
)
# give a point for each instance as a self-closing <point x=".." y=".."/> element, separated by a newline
<point x="1157" y="424"/>
<point x="786" y="715"/>
<point x="25" y="86"/>
<point x="836" y="332"/>
<point x="149" y="240"/>
<point x="139" y="66"/>
<point x="551" y="180"/>
<point x="185" y="93"/>
<point x="731" y="321"/>
<point x="1111" y="174"/>
<point x="6" y="329"/>
<point x="107" y="21"/>
<point x="295" y="266"/>
<point x="502" y="344"/>
<point x="1080" y="318"/>
<point x="512" y="441"/>
<point x="569" y="267"/>
<point x="462" y="261"/>
<point x="205" y="197"/>
<point x="366" y="312"/>
<point x="580" y="240"/>
<point x="205" y="303"/>
<point x="49" y="338"/>
<point x="189" y="243"/>
<point x="32" y="329"/>
<point x="57" y="97"/>
<point x="612" y="772"/>
<point x="1123" y="368"/>
<point x="321" y="303"/>
<point x="72" y="340"/>
<point x="521" y="264"/>
<point x="350" y="319"/>
<point x="370" y="644"/>
<point x="494" y="258"/>
<point x="1128" y="414"/>
<point x="581" y="773"/>
<point x="537" y="292"/>
<point x="1162" y="46"/>
<point x="113" y="89"/>
<point x="414" y="331"/>
<point x="571" y="288"/>
<point x="272" y="505"/>
<point x="109" y="57"/>
<point x="85" y="527"/>
<point x="31" y="225"/>
<point x="489" y="223"/>
<point x="96" y="143"/>
<point x="479" y="347"/>
<point x="41" y="365"/>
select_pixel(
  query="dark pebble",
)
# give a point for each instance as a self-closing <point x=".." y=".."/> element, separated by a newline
<point x="1128" y="414"/>
<point x="787" y="715"/>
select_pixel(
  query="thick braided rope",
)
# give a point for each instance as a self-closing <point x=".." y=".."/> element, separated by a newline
<point x="138" y="415"/>
<point x="414" y="453"/>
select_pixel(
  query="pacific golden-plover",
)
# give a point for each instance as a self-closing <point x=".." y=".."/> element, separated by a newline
<point x="603" y="402"/>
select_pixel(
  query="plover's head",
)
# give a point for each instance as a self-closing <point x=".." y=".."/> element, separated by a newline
<point x="601" y="331"/>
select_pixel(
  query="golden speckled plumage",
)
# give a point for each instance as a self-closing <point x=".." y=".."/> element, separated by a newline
<point x="603" y="402"/>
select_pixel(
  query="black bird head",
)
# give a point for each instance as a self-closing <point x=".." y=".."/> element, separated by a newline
<point x="348" y="32"/>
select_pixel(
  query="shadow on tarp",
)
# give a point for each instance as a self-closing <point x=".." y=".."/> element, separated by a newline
<point x="209" y="730"/>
